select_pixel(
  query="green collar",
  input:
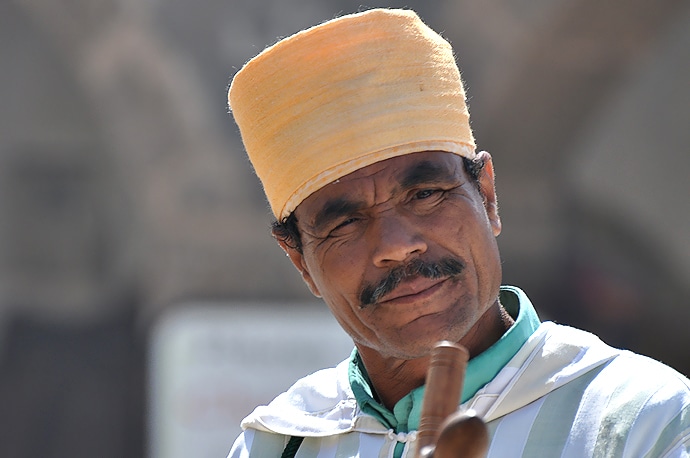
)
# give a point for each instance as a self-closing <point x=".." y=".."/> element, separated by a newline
<point x="480" y="369"/>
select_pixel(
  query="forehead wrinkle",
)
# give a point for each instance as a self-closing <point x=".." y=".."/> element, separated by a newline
<point x="426" y="171"/>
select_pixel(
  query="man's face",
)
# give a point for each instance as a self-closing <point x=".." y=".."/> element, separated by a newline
<point x="403" y="252"/>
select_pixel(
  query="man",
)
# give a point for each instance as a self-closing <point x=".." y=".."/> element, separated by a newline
<point x="359" y="132"/>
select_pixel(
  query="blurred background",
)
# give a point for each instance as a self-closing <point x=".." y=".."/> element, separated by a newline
<point x="130" y="218"/>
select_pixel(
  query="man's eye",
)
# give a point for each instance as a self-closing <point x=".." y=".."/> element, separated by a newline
<point x="343" y="225"/>
<point x="346" y="222"/>
<point x="425" y="193"/>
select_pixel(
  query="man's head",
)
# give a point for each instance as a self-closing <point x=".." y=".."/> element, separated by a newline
<point x="403" y="251"/>
<point x="359" y="131"/>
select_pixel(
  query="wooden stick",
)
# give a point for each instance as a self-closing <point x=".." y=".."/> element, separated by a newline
<point x="444" y="382"/>
<point x="463" y="435"/>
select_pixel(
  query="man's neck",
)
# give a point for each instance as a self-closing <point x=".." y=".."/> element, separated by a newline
<point x="391" y="378"/>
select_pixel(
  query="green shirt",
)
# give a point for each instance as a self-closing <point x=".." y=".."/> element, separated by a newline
<point x="480" y="370"/>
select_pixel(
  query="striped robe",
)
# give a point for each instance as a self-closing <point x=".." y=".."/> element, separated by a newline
<point x="565" y="393"/>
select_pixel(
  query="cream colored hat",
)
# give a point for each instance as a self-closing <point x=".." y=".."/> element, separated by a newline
<point x="343" y="95"/>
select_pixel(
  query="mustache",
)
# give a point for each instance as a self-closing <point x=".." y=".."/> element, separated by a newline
<point x="445" y="267"/>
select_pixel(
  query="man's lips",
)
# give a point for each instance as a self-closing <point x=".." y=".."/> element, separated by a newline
<point x="413" y="278"/>
<point x="413" y="290"/>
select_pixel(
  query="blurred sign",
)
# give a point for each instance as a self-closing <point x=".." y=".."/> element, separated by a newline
<point x="211" y="364"/>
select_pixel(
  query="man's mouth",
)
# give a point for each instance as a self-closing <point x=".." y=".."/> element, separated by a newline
<point x="413" y="290"/>
<point x="413" y="279"/>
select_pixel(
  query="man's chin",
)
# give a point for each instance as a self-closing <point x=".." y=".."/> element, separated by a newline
<point x="413" y="350"/>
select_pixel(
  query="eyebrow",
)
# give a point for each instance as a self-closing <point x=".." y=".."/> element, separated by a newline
<point x="425" y="172"/>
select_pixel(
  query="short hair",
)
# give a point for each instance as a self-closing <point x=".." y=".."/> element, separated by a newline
<point x="287" y="230"/>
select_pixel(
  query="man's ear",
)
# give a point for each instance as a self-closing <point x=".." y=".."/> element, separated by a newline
<point x="300" y="264"/>
<point x="487" y="186"/>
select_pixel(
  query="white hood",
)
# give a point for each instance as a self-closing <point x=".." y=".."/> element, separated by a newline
<point x="322" y="404"/>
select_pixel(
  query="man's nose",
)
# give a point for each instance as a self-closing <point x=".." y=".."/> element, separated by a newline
<point x="396" y="240"/>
